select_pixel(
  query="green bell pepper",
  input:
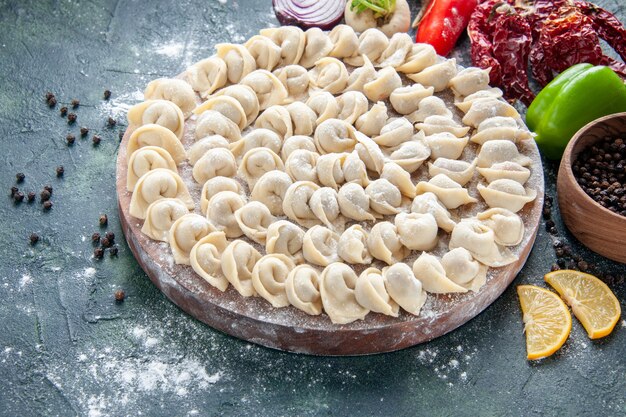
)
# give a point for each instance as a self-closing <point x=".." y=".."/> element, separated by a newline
<point x="576" y="97"/>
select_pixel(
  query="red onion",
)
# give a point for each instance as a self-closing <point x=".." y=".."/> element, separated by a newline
<point x="324" y="14"/>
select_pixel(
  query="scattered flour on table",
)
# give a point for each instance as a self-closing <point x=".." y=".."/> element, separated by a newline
<point x="449" y="364"/>
<point x="623" y="323"/>
<point x="25" y="280"/>
<point x="118" y="105"/>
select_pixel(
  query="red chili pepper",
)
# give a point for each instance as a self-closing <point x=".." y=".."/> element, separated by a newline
<point x="443" y="22"/>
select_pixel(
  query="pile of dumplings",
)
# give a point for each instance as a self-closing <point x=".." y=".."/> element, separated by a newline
<point x="314" y="187"/>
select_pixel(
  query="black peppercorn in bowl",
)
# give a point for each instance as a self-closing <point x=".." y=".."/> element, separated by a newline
<point x="591" y="186"/>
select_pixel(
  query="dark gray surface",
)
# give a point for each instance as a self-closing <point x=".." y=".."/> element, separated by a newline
<point x="67" y="348"/>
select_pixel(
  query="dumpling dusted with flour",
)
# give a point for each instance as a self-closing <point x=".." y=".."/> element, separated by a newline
<point x="385" y="198"/>
<point x="239" y="61"/>
<point x="399" y="47"/>
<point x="439" y="124"/>
<point x="295" y="78"/>
<point x="318" y="45"/>
<point x="384" y="243"/>
<point x="361" y="76"/>
<point x="185" y="233"/>
<point x="301" y="165"/>
<point x="469" y="81"/>
<point x="437" y="76"/>
<point x="462" y="269"/>
<point x="429" y="106"/>
<point x="257" y="162"/>
<point x="482" y="110"/>
<point x="417" y="231"/>
<point x="160" y="216"/>
<point x="269" y="276"/>
<point x="334" y="135"/>
<point x="496" y="151"/>
<point x="404" y="288"/>
<point x="221" y="212"/>
<point x="508" y="227"/>
<point x="160" y="112"/>
<point x="372" y="44"/>
<point x="254" y="218"/>
<point x="329" y="169"/>
<point x="369" y="152"/>
<point x="204" y="145"/>
<point x="324" y="204"/>
<point x="246" y="96"/>
<point x="207" y="75"/>
<point x="177" y="91"/>
<point x="338" y="282"/>
<point x="428" y="269"/>
<point x="352" y="104"/>
<point x="206" y="259"/>
<point x="211" y="123"/>
<point x="372" y="122"/>
<point x="238" y="261"/>
<point x="268" y="88"/>
<point x="345" y="41"/>
<point x="227" y="106"/>
<point x="303" y="118"/>
<point x="291" y="40"/>
<point x="146" y="159"/>
<point x="296" y="204"/>
<point x="397" y="176"/>
<point x="406" y="100"/>
<point x="429" y="203"/>
<point x="329" y="74"/>
<point x="303" y="289"/>
<point x="354" y="203"/>
<point x="505" y="170"/>
<point x="410" y="155"/>
<point x="277" y="119"/>
<point x="324" y="105"/>
<point x="458" y="171"/>
<point x="445" y="145"/>
<point x="265" y="52"/>
<point x="395" y="132"/>
<point x="214" y="186"/>
<point x="507" y="194"/>
<point x="156" y="135"/>
<point x="383" y="84"/>
<point x="479" y="240"/>
<point x="500" y="127"/>
<point x="257" y="138"/>
<point x="270" y="190"/>
<point x="371" y="293"/>
<point x="286" y="238"/>
<point x="319" y="246"/>
<point x="421" y="56"/>
<point x="354" y="170"/>
<point x="155" y="185"/>
<point x="352" y="246"/>
<point x="450" y="193"/>
<point x="296" y="142"/>
<point x="217" y="162"/>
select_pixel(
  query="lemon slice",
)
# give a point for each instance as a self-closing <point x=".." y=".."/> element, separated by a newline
<point x="592" y="301"/>
<point x="547" y="321"/>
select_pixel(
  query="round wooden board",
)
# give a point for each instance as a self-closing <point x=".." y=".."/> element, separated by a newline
<point x="289" y="329"/>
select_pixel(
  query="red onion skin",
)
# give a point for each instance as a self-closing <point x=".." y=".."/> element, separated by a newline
<point x="323" y="14"/>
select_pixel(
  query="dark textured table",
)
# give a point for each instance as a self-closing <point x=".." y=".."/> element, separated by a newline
<point x="66" y="346"/>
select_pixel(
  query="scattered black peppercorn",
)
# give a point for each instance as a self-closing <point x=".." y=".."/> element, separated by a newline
<point x="47" y="205"/>
<point x="553" y="231"/>
<point x="71" y="118"/>
<point x="19" y="177"/>
<point x="103" y="220"/>
<point x="75" y="103"/>
<point x="119" y="296"/>
<point x="60" y="171"/>
<point x="30" y="197"/>
<point x="49" y="95"/>
<point x="113" y="251"/>
<point x="121" y="135"/>
<point x="52" y="102"/>
<point x="107" y="94"/>
<point x="48" y="188"/>
<point x="70" y="139"/>
<point x="557" y="244"/>
<point x="583" y="266"/>
<point x="45" y="196"/>
<point x="106" y="243"/>
<point x="95" y="238"/>
<point x="63" y="111"/>
<point x="559" y="252"/>
<point x="110" y="236"/>
<point x="555" y="267"/>
<point x="96" y="140"/>
<point x="84" y="131"/>
<point x="111" y="122"/>
<point x="34" y="238"/>
<point x="98" y="253"/>
<point x="13" y="191"/>
<point x="18" y="197"/>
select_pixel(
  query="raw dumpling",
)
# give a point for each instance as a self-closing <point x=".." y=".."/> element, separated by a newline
<point x="354" y="170"/>
<point x="371" y="293"/>
<point x="324" y="105"/>
<point x="221" y="212"/>
<point x="337" y="291"/>
<point x="238" y="261"/>
<point x="508" y="227"/>
<point x="417" y="231"/>
<point x="469" y="81"/>
<point x="156" y="135"/>
<point x="246" y="96"/>
<point x="277" y="119"/>
<point x="354" y="203"/>
<point x="207" y="75"/>
<point x="506" y="193"/>
<point x="301" y="165"/>
<point x="421" y="56"/>
<point x="384" y="243"/>
<point x="437" y="75"/>
<point x="500" y="127"/>
<point x="286" y="238"/>
<point x="428" y="269"/>
<point x="265" y="52"/>
<point x="406" y="100"/>
<point x="239" y="61"/>
<point x="345" y="41"/>
<point x="450" y="193"/>
<point x="227" y="106"/>
<point x="445" y="145"/>
<point x="199" y="148"/>
<point x="404" y="288"/>
<point x="330" y="169"/>
<point x="185" y="233"/>
<point x="428" y="203"/>
<point x="303" y="289"/>
<point x="268" y="88"/>
<point x="429" y="106"/>
<point x="296" y="204"/>
<point x="214" y="163"/>
<point x="352" y="104"/>
<point x="484" y="109"/>
<point x="479" y="240"/>
<point x="177" y="91"/>
<point x="291" y="40"/>
<point x="257" y="138"/>
<point x="496" y="151"/>
<point x="385" y="198"/>
<point x="160" y="216"/>
<point x="370" y="153"/>
<point x="319" y="246"/>
<point x="334" y="135"/>
<point x="211" y="123"/>
<point x="410" y="155"/>
<point x="506" y="169"/>
<point x="269" y="276"/>
<point x="160" y="112"/>
<point x="329" y="74"/>
<point x="371" y="122"/>
<point x="318" y="45"/>
<point x="257" y="162"/>
<point x="361" y="76"/>
<point x="214" y="186"/>
<point x="352" y="246"/>
<point x="439" y="124"/>
<point x="206" y="259"/>
<point x="296" y="142"/>
<point x="146" y="159"/>
<point x="394" y="173"/>
<point x="270" y="190"/>
<point x="295" y="78"/>
<point x="462" y="269"/>
<point x="254" y="218"/>
<point x="303" y="118"/>
<point x="489" y="93"/>
<point x="458" y="171"/>
<point x="325" y="206"/>
<point x="372" y="43"/>
<point x="395" y="132"/>
<point x="155" y="185"/>
<point x="383" y="84"/>
<point x="399" y="47"/>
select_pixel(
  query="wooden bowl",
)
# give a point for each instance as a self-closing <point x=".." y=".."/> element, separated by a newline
<point x="596" y="227"/>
